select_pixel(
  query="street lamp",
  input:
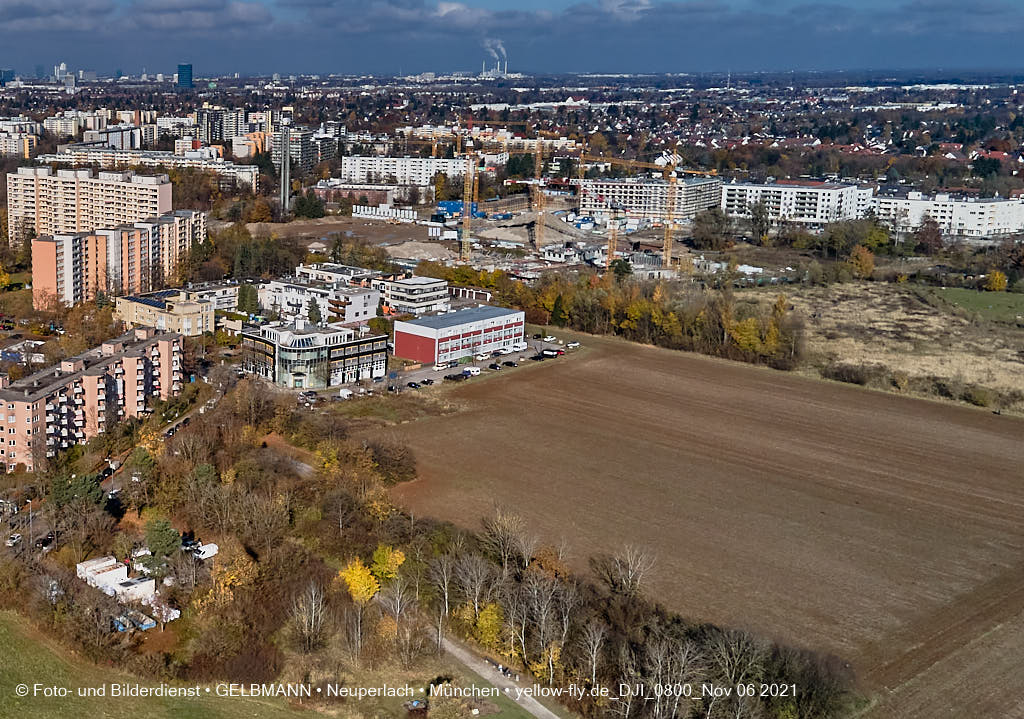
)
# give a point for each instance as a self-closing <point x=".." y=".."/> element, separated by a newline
<point x="29" y="505"/>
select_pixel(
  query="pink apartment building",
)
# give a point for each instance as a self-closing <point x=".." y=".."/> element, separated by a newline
<point x="70" y="403"/>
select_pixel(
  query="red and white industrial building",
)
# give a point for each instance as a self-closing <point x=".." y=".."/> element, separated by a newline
<point x="462" y="333"/>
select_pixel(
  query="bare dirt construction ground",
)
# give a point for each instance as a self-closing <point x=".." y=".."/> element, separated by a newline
<point x="894" y="328"/>
<point x="881" y="528"/>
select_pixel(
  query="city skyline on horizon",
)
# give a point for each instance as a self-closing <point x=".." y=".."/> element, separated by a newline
<point x="392" y="37"/>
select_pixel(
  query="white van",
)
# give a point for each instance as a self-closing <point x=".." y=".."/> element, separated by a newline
<point x="471" y="371"/>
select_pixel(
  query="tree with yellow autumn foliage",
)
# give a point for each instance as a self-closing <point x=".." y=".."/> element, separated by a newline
<point x="362" y="586"/>
<point x="862" y="262"/>
<point x="386" y="561"/>
<point x="996" y="281"/>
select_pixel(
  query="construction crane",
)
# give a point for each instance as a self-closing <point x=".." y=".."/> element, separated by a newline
<point x="538" y="190"/>
<point x="613" y="236"/>
<point x="466" y="242"/>
<point x="669" y="172"/>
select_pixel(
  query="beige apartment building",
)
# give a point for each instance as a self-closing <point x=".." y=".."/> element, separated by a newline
<point x="43" y="202"/>
<point x="83" y="396"/>
<point x="168" y="311"/>
<point x="76" y="267"/>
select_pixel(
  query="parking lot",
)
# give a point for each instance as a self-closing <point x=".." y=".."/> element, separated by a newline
<point x="536" y="346"/>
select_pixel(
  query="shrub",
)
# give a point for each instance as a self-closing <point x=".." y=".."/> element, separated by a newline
<point x="979" y="396"/>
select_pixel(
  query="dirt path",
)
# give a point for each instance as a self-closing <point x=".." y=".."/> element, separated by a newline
<point x="492" y="675"/>
<point x="881" y="529"/>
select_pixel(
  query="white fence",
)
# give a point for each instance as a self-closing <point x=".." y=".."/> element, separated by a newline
<point x="383" y="212"/>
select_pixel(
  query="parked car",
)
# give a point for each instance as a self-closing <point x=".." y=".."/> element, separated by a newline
<point x="471" y="371"/>
<point x="537" y="336"/>
<point x="560" y="352"/>
<point x="442" y="366"/>
<point x="427" y="381"/>
<point x="482" y="357"/>
<point x="510" y="363"/>
<point x="549" y="353"/>
<point x="455" y="377"/>
<point x="13" y="540"/>
<point x="44" y="542"/>
<point x="538" y="358"/>
<point x="412" y="385"/>
<point x="520" y="347"/>
<point x="550" y="338"/>
<point x="504" y="351"/>
<point x="572" y="345"/>
<point x="494" y="365"/>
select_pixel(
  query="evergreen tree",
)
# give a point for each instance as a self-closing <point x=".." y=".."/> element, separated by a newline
<point x="313" y="312"/>
<point x="558" y="316"/>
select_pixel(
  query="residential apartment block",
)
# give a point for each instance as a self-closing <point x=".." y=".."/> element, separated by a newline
<point x="302" y="356"/>
<point x="83" y="396"/>
<point x="414" y="295"/>
<point x="302" y="151"/>
<point x="18" y="144"/>
<point x="332" y="272"/>
<point x="109" y="157"/>
<point x="43" y="202"/>
<point x="68" y="268"/>
<point x="970" y="218"/>
<point x="338" y="302"/>
<point x="399" y="170"/>
<point x="813" y="204"/>
<point x="646" y="198"/>
<point x="168" y="311"/>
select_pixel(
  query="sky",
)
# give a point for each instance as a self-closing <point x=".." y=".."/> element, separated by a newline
<point x="409" y="36"/>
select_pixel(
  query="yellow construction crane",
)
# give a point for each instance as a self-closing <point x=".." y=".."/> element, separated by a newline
<point x="669" y="172"/>
<point x="466" y="242"/>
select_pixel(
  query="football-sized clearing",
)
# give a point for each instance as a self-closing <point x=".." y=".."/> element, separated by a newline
<point x="884" y="529"/>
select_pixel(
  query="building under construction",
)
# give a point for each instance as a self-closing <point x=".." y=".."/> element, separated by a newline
<point x="645" y="198"/>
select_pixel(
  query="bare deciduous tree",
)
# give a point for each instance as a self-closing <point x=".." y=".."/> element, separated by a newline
<point x="473" y="577"/>
<point x="591" y="641"/>
<point x="309" y="614"/>
<point x="625" y="571"/>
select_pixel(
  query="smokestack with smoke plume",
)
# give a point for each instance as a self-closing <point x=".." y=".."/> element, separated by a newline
<point x="490" y="45"/>
<point x="504" y="55"/>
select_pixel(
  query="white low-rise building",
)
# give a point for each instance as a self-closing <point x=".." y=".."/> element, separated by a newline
<point x="414" y="295"/>
<point x="290" y="298"/>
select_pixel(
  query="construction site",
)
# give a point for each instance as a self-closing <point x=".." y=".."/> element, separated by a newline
<point x="545" y="219"/>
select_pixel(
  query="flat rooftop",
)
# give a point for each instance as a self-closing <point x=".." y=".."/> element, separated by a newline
<point x="470" y="314"/>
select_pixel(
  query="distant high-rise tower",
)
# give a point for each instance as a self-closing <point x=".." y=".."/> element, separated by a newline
<point x="185" y="76"/>
<point x="286" y="169"/>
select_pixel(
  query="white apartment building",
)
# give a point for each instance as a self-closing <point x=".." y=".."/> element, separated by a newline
<point x="72" y="122"/>
<point x="957" y="217"/>
<point x="646" y="198"/>
<point x="43" y="202"/>
<point x="414" y="295"/>
<point x="20" y="124"/>
<point x="338" y="303"/>
<point x="247" y="175"/>
<point x="404" y="170"/>
<point x="334" y="273"/>
<point x="121" y="137"/>
<point x="813" y="204"/>
<point x="18" y="144"/>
